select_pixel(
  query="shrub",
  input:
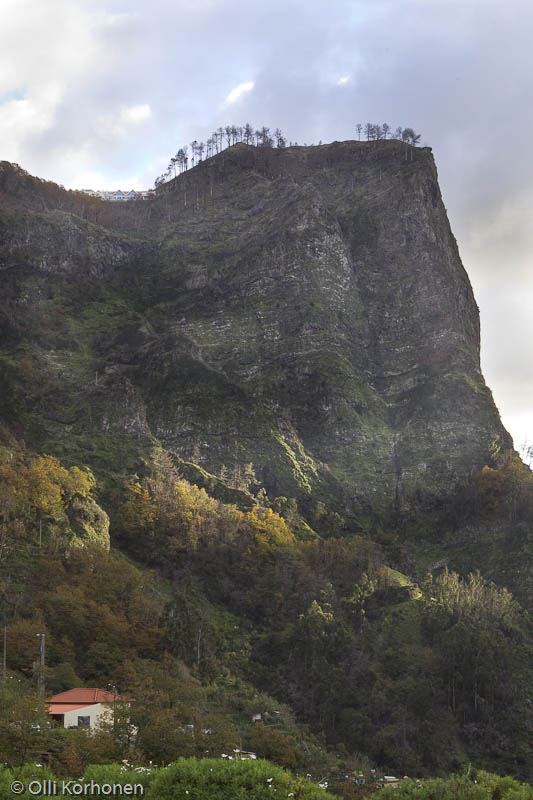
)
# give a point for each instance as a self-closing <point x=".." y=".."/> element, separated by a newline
<point x="212" y="779"/>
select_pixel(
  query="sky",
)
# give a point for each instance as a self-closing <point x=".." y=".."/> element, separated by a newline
<point x="100" y="93"/>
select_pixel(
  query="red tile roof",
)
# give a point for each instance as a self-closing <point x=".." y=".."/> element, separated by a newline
<point x="62" y="708"/>
<point x="84" y="697"/>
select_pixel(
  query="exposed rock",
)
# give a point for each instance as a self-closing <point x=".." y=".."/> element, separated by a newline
<point x="305" y="310"/>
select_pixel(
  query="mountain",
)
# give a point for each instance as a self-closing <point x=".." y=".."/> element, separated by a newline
<point x="250" y="469"/>
<point x="305" y="310"/>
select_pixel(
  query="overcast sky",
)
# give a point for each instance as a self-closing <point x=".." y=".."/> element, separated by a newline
<point x="99" y="94"/>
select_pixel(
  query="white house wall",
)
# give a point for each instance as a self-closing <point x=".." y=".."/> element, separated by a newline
<point x="98" y="713"/>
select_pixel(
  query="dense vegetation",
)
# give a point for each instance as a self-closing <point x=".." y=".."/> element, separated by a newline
<point x="204" y="779"/>
<point x="420" y="679"/>
<point x="210" y="779"/>
<point x="472" y="786"/>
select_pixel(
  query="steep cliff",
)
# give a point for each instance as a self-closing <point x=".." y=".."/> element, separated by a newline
<point x="305" y="310"/>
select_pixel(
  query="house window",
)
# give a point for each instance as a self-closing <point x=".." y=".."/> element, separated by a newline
<point x="84" y="722"/>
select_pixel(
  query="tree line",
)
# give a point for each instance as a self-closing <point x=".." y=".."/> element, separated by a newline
<point x="262" y="137"/>
<point x="220" y="138"/>
<point x="372" y="131"/>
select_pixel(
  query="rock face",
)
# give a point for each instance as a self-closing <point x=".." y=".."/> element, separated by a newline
<point x="305" y="310"/>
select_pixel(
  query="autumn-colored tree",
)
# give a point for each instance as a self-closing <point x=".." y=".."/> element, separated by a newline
<point x="273" y="744"/>
<point x="37" y="489"/>
<point x="138" y="508"/>
<point x="506" y="488"/>
<point x="269" y="529"/>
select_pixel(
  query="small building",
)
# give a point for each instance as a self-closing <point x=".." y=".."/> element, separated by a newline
<point x="390" y="780"/>
<point x="244" y="755"/>
<point x="119" y="195"/>
<point x="83" y="708"/>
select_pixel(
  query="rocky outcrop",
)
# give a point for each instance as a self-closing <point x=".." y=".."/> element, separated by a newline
<point x="305" y="310"/>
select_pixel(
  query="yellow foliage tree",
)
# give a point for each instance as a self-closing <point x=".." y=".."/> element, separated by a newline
<point x="138" y="509"/>
<point x="33" y="489"/>
<point x="269" y="529"/>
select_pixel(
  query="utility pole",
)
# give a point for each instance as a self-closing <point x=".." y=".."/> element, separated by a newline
<point x="42" y="637"/>
<point x="4" y="656"/>
<point x="114" y="688"/>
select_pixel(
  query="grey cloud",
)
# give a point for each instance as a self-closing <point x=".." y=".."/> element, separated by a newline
<point x="459" y="72"/>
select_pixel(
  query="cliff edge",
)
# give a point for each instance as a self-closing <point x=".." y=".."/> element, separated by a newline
<point x="304" y="309"/>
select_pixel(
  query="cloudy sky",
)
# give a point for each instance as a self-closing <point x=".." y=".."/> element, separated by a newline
<point x="99" y="93"/>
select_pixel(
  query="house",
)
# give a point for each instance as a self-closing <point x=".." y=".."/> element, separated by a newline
<point x="83" y="708"/>
<point x="118" y="196"/>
